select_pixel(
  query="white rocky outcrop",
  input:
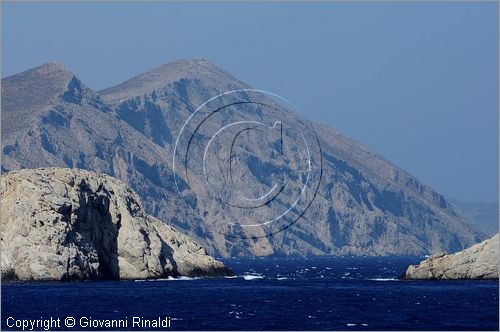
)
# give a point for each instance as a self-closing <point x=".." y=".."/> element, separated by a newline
<point x="477" y="262"/>
<point x="64" y="224"/>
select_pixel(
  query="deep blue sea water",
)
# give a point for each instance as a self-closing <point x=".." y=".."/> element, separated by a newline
<point x="271" y="294"/>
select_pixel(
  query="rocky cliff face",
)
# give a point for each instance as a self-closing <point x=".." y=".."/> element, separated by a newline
<point x="477" y="262"/>
<point x="364" y="206"/>
<point x="64" y="224"/>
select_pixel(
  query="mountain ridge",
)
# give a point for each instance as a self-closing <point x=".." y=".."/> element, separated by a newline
<point x="163" y="75"/>
<point x="366" y="206"/>
<point x="162" y="72"/>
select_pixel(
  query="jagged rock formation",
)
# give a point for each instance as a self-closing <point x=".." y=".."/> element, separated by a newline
<point x="477" y="262"/>
<point x="365" y="205"/>
<point x="64" y="224"/>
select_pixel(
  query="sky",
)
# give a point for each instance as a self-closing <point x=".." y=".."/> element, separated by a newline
<point x="415" y="82"/>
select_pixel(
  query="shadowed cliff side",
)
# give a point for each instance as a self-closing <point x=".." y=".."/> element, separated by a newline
<point x="65" y="224"/>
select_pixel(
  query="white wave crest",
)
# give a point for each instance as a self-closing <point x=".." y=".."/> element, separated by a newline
<point x="252" y="276"/>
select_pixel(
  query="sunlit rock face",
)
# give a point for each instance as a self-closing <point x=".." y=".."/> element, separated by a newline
<point x="66" y="224"/>
<point x="477" y="262"/>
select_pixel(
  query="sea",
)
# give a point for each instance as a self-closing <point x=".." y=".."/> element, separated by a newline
<point x="325" y="293"/>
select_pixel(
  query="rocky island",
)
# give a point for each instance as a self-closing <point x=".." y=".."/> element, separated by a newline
<point x="477" y="262"/>
<point x="67" y="224"/>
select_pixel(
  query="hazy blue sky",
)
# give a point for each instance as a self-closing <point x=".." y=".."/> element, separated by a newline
<point x="417" y="83"/>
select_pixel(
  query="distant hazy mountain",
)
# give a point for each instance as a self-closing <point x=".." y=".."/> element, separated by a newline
<point x="483" y="216"/>
<point x="365" y="204"/>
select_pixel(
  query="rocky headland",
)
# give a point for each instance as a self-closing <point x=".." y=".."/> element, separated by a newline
<point x="477" y="262"/>
<point x="67" y="224"/>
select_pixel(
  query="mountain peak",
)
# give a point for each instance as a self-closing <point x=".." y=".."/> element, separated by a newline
<point x="193" y="62"/>
<point x="31" y="92"/>
<point x="199" y="62"/>
<point x="50" y="75"/>
<point x="52" y="66"/>
<point x="199" y="69"/>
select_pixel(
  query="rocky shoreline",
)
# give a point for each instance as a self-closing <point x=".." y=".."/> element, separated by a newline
<point x="477" y="262"/>
<point x="71" y="224"/>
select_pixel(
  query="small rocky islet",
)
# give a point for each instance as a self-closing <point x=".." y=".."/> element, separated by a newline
<point x="72" y="224"/>
<point x="475" y="263"/>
